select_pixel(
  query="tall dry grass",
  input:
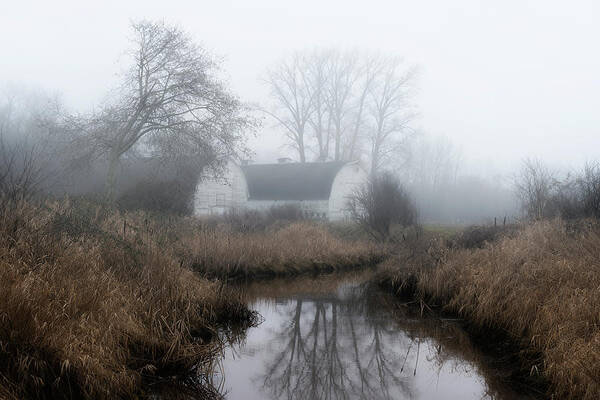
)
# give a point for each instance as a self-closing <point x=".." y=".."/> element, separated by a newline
<point x="87" y="312"/>
<point x="95" y="302"/>
<point x="223" y="249"/>
<point x="541" y="285"/>
<point x="301" y="247"/>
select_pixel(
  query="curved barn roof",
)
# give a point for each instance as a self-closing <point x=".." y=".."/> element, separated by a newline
<point x="291" y="181"/>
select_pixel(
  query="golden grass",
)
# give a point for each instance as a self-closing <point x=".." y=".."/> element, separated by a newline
<point x="85" y="313"/>
<point x="301" y="247"/>
<point x="541" y="285"/>
<point x="95" y="302"/>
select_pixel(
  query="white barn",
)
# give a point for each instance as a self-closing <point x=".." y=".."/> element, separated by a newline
<point x="320" y="189"/>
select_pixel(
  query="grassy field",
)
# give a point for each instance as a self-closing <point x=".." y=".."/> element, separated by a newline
<point x="537" y="283"/>
<point x="297" y="248"/>
<point x="96" y="303"/>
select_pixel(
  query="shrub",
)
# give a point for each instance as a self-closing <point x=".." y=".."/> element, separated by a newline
<point x="544" y="196"/>
<point x="246" y="220"/>
<point x="536" y="185"/>
<point x="165" y="196"/>
<point x="476" y="237"/>
<point x="589" y="187"/>
<point x="20" y="171"/>
<point x="286" y="212"/>
<point x="381" y="203"/>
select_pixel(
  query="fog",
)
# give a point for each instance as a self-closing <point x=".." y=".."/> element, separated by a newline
<point x="497" y="82"/>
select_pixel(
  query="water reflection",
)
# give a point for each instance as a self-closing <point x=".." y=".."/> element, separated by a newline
<point x="322" y="339"/>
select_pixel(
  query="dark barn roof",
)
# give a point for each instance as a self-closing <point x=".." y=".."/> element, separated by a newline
<point x="291" y="181"/>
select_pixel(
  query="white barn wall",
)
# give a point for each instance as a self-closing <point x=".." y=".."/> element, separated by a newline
<point x="350" y="178"/>
<point x="215" y="196"/>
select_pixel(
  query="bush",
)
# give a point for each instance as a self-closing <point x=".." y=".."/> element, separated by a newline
<point x="589" y="187"/>
<point x="170" y="196"/>
<point x="476" y="237"/>
<point x="544" y="196"/>
<point x="537" y="186"/>
<point x="243" y="220"/>
<point x="20" y="171"/>
<point x="160" y="186"/>
<point x="286" y="212"/>
<point x="381" y="203"/>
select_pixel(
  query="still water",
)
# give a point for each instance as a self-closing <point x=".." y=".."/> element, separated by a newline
<point x="341" y="338"/>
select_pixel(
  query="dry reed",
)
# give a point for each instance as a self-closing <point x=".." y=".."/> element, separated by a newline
<point x="297" y="248"/>
<point x="541" y="285"/>
<point x="95" y="302"/>
<point x="89" y="313"/>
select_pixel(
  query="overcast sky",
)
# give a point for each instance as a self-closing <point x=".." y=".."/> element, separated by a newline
<point x="503" y="79"/>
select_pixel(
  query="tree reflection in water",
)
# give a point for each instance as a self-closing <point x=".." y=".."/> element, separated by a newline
<point x="346" y="343"/>
<point x="332" y="352"/>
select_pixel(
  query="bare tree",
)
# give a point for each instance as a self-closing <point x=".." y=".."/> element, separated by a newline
<point x="340" y="99"/>
<point x="20" y="171"/>
<point x="390" y="111"/>
<point x="536" y="185"/>
<point x="341" y="80"/>
<point x="589" y="186"/>
<point x="294" y="94"/>
<point x="366" y="72"/>
<point x="169" y="104"/>
<point x="320" y="119"/>
<point x="433" y="163"/>
<point x="27" y="119"/>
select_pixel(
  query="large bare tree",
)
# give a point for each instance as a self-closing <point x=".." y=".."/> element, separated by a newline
<point x="351" y="105"/>
<point x="390" y="112"/>
<point x="366" y="71"/>
<point x="320" y="120"/>
<point x="339" y="95"/>
<point x="169" y="104"/>
<point x="294" y="95"/>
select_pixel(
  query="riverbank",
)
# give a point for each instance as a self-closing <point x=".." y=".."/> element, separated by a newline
<point x="96" y="303"/>
<point x="289" y="250"/>
<point x="342" y="336"/>
<point x="538" y="284"/>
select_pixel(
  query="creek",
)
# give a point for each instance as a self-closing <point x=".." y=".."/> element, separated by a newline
<point x="341" y="337"/>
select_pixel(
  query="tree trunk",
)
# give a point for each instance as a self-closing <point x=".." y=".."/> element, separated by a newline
<point x="338" y="139"/>
<point x="111" y="178"/>
<point x="301" y="148"/>
<point x="374" y="161"/>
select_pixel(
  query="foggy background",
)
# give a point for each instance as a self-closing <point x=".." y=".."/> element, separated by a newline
<point x="497" y="82"/>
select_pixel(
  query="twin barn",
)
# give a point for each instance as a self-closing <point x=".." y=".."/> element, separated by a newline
<point x="320" y="189"/>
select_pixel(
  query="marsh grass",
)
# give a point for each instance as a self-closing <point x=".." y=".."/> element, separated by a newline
<point x="88" y="312"/>
<point x="540" y="285"/>
<point x="100" y="303"/>
<point x="288" y="250"/>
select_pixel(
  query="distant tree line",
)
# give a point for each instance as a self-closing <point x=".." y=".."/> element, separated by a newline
<point x="544" y="194"/>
